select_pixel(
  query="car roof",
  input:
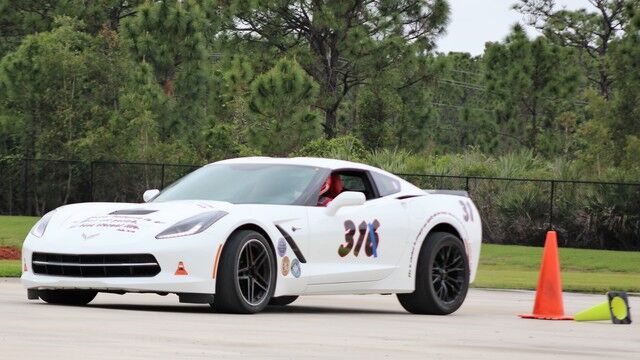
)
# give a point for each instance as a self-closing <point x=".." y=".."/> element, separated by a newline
<point x="308" y="161"/>
<point x="332" y="164"/>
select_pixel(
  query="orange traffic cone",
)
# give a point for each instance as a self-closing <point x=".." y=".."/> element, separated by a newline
<point x="548" y="305"/>
<point x="181" y="270"/>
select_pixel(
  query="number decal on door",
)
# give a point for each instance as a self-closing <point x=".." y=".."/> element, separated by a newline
<point x="368" y="231"/>
<point x="349" y="231"/>
<point x="373" y="241"/>
<point x="362" y="232"/>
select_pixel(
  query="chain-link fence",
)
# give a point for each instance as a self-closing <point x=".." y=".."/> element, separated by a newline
<point x="126" y="181"/>
<point x="33" y="187"/>
<point x="514" y="211"/>
<point x="585" y="214"/>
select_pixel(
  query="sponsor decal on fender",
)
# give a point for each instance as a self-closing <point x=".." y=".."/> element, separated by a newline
<point x="285" y="266"/>
<point x="282" y="247"/>
<point x="296" y="270"/>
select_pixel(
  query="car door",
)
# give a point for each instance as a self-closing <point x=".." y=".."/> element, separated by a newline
<point x="359" y="243"/>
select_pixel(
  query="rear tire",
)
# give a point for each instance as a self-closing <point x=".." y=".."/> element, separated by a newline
<point x="282" y="300"/>
<point x="442" y="277"/>
<point x="67" y="297"/>
<point x="246" y="274"/>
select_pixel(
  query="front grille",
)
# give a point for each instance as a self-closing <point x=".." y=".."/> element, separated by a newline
<point x="108" y="265"/>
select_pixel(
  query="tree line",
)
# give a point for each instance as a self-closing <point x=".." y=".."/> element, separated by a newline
<point x="194" y="81"/>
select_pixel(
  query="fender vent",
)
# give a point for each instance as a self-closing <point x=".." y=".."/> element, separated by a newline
<point x="403" y="197"/>
<point x="292" y="244"/>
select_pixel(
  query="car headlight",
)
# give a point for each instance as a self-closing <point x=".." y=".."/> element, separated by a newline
<point x="193" y="225"/>
<point x="38" y="229"/>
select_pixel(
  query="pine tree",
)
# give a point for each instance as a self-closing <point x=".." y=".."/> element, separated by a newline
<point x="528" y="81"/>
<point x="338" y="42"/>
<point x="49" y="83"/>
<point x="280" y="102"/>
<point x="169" y="36"/>
<point x="591" y="31"/>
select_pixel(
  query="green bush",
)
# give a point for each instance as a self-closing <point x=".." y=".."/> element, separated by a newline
<point x="343" y="147"/>
<point x="518" y="212"/>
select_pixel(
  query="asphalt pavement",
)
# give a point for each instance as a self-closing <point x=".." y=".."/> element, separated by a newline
<point x="146" y="326"/>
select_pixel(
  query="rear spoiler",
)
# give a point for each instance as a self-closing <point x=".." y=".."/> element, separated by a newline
<point x="447" y="192"/>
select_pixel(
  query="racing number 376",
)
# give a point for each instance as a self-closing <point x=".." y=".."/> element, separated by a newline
<point x="372" y="242"/>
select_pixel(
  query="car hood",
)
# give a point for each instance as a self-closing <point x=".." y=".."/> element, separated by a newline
<point x="121" y="222"/>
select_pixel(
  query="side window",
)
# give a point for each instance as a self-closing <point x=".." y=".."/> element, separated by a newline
<point x="357" y="181"/>
<point x="386" y="185"/>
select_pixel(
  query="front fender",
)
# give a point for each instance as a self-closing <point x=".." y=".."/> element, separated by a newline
<point x="285" y="284"/>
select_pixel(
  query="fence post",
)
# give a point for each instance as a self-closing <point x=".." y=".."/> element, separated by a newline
<point x="91" y="181"/>
<point x="466" y="185"/>
<point x="553" y="186"/>
<point x="25" y="189"/>
<point x="162" y="178"/>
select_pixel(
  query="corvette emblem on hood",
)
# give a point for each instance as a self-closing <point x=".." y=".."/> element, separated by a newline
<point x="87" y="237"/>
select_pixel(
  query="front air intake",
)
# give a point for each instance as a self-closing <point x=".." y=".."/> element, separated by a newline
<point x="95" y="266"/>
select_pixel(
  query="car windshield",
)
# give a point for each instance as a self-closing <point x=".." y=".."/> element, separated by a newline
<point x="244" y="184"/>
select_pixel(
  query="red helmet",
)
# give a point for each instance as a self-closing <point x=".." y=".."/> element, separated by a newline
<point x="326" y="186"/>
<point x="332" y="187"/>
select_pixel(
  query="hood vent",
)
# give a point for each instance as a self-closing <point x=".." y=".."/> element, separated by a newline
<point x="133" y="212"/>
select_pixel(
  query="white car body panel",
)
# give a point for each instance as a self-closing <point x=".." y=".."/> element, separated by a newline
<point x="405" y="219"/>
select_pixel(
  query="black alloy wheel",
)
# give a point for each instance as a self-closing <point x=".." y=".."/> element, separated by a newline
<point x="246" y="276"/>
<point x="442" y="276"/>
<point x="254" y="272"/>
<point x="447" y="274"/>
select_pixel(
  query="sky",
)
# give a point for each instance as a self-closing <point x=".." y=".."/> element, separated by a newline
<point x="474" y="22"/>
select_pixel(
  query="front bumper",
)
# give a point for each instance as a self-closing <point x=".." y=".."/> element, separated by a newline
<point x="161" y="283"/>
<point x="197" y="257"/>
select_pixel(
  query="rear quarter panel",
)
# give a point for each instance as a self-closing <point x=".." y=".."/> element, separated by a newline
<point x="426" y="212"/>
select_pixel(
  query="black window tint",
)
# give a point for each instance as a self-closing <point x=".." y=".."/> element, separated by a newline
<point x="353" y="183"/>
<point x="357" y="181"/>
<point x="386" y="185"/>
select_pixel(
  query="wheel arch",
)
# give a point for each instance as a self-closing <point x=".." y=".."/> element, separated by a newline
<point x="446" y="227"/>
<point x="253" y="227"/>
<point x="259" y="230"/>
<point x="443" y="227"/>
<point x="439" y="222"/>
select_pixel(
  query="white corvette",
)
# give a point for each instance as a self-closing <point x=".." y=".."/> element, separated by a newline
<point x="243" y="233"/>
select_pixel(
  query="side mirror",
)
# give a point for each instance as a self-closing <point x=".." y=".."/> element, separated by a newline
<point x="150" y="194"/>
<point x="347" y="198"/>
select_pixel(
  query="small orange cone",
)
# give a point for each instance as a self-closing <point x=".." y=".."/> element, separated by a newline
<point x="181" y="270"/>
<point x="549" y="305"/>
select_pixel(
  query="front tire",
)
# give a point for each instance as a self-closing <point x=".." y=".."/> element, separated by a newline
<point x="442" y="277"/>
<point x="247" y="276"/>
<point x="282" y="300"/>
<point x="67" y="297"/>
